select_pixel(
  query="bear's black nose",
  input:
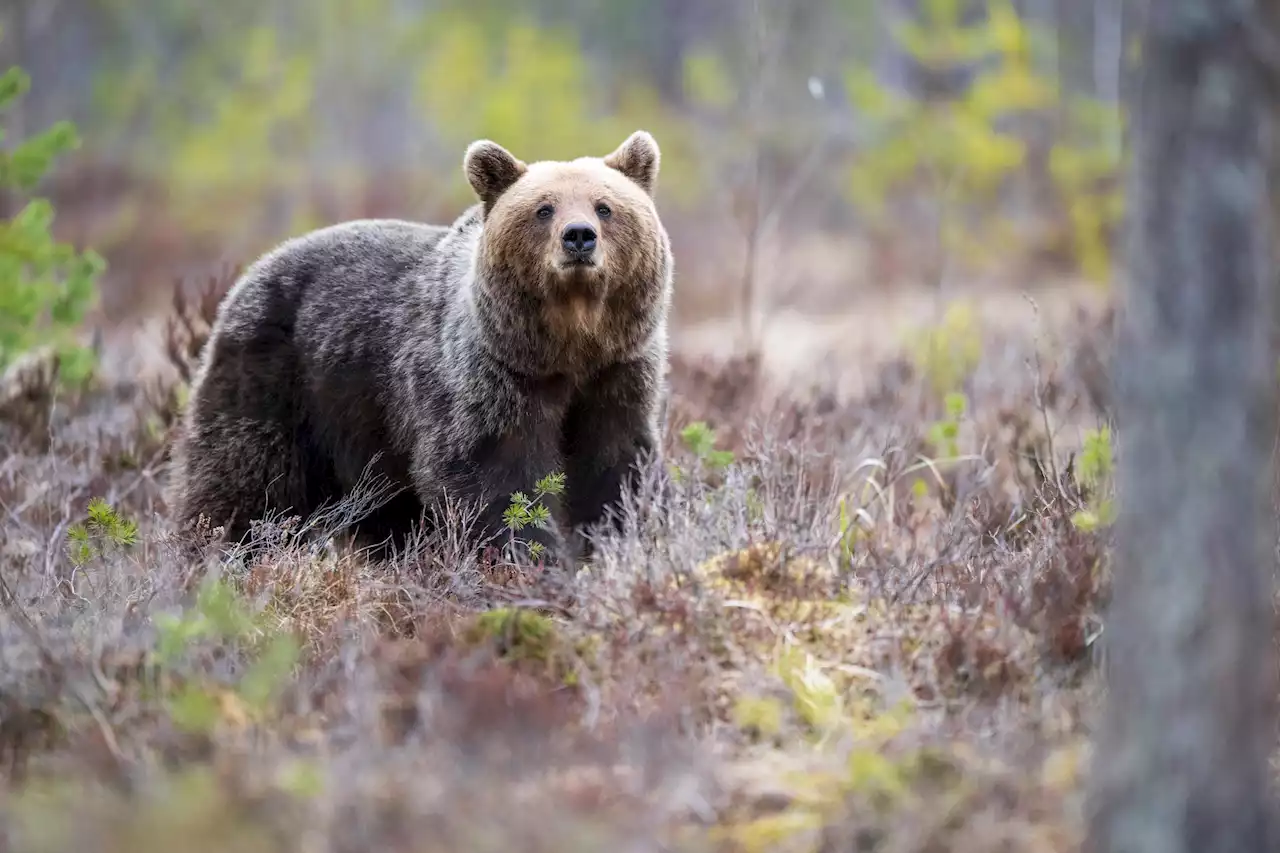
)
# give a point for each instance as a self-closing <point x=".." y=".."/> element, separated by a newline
<point x="579" y="240"/>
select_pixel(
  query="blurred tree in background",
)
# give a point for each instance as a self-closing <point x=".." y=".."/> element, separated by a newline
<point x="45" y="285"/>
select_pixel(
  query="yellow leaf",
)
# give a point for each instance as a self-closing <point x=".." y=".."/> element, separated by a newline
<point x="1062" y="769"/>
<point x="232" y="710"/>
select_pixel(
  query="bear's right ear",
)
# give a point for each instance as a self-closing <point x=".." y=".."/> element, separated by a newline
<point x="491" y="170"/>
<point x="637" y="158"/>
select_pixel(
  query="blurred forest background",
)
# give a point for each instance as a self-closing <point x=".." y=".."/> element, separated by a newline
<point x="814" y="150"/>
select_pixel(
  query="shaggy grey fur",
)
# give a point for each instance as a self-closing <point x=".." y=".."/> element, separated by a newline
<point x="468" y="360"/>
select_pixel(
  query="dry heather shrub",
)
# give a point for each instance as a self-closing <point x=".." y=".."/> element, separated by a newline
<point x="723" y="394"/>
<point x="26" y="394"/>
<point x="191" y="317"/>
<point x="186" y="327"/>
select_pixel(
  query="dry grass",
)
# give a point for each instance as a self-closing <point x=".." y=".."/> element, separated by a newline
<point x="734" y="671"/>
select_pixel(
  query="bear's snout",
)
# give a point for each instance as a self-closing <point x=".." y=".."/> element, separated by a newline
<point x="579" y="241"/>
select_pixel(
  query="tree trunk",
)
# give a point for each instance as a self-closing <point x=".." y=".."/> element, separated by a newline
<point x="1182" y="757"/>
<point x="1075" y="45"/>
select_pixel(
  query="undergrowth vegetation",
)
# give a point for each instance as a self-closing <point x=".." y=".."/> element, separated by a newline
<point x="826" y="623"/>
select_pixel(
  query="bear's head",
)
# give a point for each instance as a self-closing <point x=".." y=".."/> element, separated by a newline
<point x="577" y="241"/>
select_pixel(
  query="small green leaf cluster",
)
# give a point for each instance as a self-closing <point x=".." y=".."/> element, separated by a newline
<point x="944" y="433"/>
<point x="1094" y="469"/>
<point x="524" y="511"/>
<point x="709" y="466"/>
<point x="700" y="439"/>
<point x="103" y="529"/>
<point x="946" y="354"/>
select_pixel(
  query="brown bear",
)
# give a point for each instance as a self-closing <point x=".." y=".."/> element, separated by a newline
<point x="467" y="361"/>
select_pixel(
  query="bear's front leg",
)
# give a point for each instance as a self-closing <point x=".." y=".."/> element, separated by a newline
<point x="487" y="465"/>
<point x="610" y="427"/>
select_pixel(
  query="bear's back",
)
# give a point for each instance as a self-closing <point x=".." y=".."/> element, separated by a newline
<point x="338" y="302"/>
<point x="347" y="270"/>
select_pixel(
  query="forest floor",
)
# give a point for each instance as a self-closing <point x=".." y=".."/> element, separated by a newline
<point x="869" y="628"/>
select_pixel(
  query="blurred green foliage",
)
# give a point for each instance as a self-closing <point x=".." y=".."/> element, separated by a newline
<point x="527" y="86"/>
<point x="222" y="615"/>
<point x="708" y="460"/>
<point x="946" y="354"/>
<point x="46" y="286"/>
<point x="185" y="808"/>
<point x="1085" y="169"/>
<point x="962" y="145"/>
<point x="240" y="121"/>
<point x="253" y="132"/>
<point x="227" y="126"/>
<point x="700" y="439"/>
<point x="261" y="120"/>
<point x="1094" y="473"/>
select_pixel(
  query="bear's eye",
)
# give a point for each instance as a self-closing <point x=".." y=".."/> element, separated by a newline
<point x="603" y="211"/>
<point x="545" y="211"/>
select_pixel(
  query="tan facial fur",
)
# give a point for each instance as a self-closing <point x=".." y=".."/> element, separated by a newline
<point x="528" y="208"/>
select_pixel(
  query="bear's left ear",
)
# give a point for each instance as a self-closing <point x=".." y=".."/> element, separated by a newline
<point x="491" y="170"/>
<point x="637" y="158"/>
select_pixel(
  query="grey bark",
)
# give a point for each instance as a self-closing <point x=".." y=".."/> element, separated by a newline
<point x="1108" y="48"/>
<point x="1075" y="45"/>
<point x="1182" y="754"/>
